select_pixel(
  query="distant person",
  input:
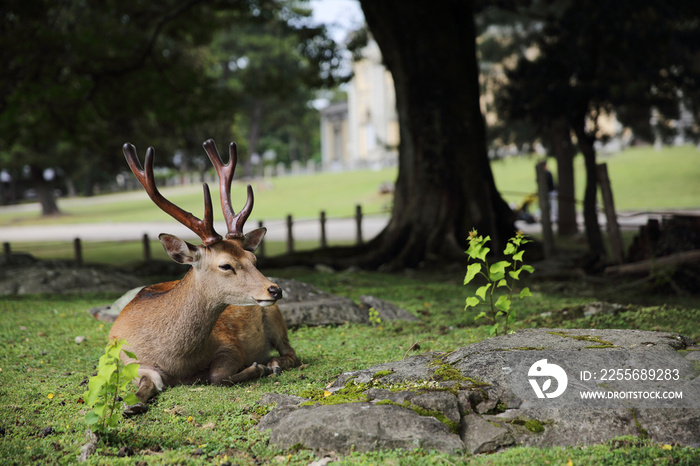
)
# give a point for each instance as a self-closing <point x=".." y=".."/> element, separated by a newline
<point x="552" y="192"/>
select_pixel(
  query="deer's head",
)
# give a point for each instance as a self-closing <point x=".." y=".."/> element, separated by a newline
<point x="223" y="268"/>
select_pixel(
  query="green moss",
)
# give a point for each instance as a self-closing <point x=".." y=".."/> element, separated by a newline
<point x="498" y="409"/>
<point x="452" y="425"/>
<point x="351" y="393"/>
<point x="446" y="372"/>
<point x="602" y="343"/>
<point x="533" y="425"/>
<point x="643" y="434"/>
<point x="380" y="374"/>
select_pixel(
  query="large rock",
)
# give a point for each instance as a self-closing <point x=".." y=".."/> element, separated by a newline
<point x="302" y="304"/>
<point x="482" y="398"/>
<point x="21" y="274"/>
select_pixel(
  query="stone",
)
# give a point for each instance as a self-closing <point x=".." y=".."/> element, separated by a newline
<point x="386" y="309"/>
<point x="414" y="402"/>
<point x="481" y="436"/>
<point x="362" y="427"/>
<point x="304" y="304"/>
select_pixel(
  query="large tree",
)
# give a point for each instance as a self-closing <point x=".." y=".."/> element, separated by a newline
<point x="445" y="186"/>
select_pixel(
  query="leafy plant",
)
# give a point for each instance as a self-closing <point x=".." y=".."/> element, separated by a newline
<point x="501" y="274"/>
<point x="374" y="318"/>
<point x="106" y="388"/>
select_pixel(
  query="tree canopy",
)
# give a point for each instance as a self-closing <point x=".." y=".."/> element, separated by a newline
<point x="82" y="76"/>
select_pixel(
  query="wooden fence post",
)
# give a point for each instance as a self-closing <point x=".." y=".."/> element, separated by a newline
<point x="358" y="220"/>
<point x="546" y="220"/>
<point x="146" y="248"/>
<point x="610" y="214"/>
<point x="261" y="247"/>
<point x="324" y="243"/>
<point x="290" y="235"/>
<point x="78" y="249"/>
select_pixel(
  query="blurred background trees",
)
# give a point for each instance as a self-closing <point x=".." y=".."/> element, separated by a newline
<point x="475" y="80"/>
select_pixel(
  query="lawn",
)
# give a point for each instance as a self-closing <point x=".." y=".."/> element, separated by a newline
<point x="642" y="179"/>
<point x="43" y="373"/>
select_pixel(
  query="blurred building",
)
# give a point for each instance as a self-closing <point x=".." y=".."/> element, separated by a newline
<point x="364" y="131"/>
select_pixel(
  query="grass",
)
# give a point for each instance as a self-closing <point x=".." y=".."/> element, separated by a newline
<point x="642" y="179"/>
<point x="304" y="196"/>
<point x="43" y="373"/>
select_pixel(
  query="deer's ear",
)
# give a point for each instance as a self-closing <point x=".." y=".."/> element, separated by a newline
<point x="180" y="251"/>
<point x="252" y="240"/>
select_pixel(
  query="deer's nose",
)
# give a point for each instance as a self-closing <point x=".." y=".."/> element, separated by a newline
<point x="275" y="291"/>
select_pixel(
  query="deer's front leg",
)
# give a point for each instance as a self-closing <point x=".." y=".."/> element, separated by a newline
<point x="276" y="332"/>
<point x="150" y="383"/>
<point x="226" y="364"/>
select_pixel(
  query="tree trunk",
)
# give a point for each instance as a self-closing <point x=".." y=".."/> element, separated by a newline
<point x="445" y="186"/>
<point x="590" y="215"/>
<point x="560" y="141"/>
<point x="44" y="192"/>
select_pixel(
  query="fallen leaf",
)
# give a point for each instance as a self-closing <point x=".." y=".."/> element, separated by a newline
<point x="50" y="396"/>
<point x="667" y="447"/>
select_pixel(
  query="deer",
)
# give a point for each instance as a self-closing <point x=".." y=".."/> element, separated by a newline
<point x="219" y="322"/>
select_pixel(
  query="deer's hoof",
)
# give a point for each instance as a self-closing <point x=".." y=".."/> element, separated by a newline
<point x="135" y="409"/>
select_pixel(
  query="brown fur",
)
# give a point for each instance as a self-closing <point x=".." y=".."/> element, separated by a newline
<point x="207" y="326"/>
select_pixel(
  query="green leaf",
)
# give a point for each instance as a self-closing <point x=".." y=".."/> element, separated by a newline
<point x="131" y="399"/>
<point x="525" y="292"/>
<point x="512" y="317"/>
<point x="477" y="248"/>
<point x="100" y="408"/>
<point x="91" y="418"/>
<point x="472" y="271"/>
<point x="130" y="354"/>
<point x="518" y="256"/>
<point x="503" y="303"/>
<point x="501" y="283"/>
<point x="481" y="315"/>
<point x="510" y="249"/>
<point x="471" y="301"/>
<point x="498" y="270"/>
<point x="113" y="420"/>
<point x="494" y="329"/>
<point x="105" y="372"/>
<point x="514" y="274"/>
<point x="481" y="291"/>
<point x="528" y="268"/>
<point x="130" y="372"/>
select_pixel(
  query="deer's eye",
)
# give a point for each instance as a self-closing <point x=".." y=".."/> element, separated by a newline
<point x="227" y="267"/>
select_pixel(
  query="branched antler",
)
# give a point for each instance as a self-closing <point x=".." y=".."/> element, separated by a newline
<point x="203" y="228"/>
<point x="234" y="221"/>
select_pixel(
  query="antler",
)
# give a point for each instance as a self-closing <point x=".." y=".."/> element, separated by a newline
<point x="234" y="221"/>
<point x="203" y="228"/>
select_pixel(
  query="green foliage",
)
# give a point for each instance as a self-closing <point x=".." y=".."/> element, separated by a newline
<point x="502" y="274"/>
<point x="105" y="388"/>
<point x="374" y="318"/>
